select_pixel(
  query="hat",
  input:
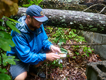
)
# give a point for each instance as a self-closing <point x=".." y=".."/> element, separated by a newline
<point x="36" y="12"/>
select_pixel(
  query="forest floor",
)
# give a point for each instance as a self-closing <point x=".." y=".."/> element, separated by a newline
<point x="73" y="67"/>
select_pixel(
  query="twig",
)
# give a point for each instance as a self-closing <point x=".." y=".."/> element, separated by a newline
<point x="102" y="10"/>
<point x="93" y="6"/>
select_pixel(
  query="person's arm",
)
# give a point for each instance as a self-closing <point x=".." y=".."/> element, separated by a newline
<point x="24" y="53"/>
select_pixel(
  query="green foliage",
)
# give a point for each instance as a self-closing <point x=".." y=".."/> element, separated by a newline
<point x="77" y="53"/>
<point x="87" y="50"/>
<point x="4" y="76"/>
<point x="63" y="50"/>
<point x="11" y="25"/>
<point x="73" y="57"/>
<point x="5" y="45"/>
<point x="64" y="34"/>
<point x="31" y="2"/>
<point x="61" y="35"/>
<point x="55" y="63"/>
<point x="8" y="59"/>
<point x="5" y="38"/>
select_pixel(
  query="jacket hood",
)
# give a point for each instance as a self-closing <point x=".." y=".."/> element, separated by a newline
<point x="22" y="26"/>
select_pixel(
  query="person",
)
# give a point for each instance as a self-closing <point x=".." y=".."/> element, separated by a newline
<point x="31" y="44"/>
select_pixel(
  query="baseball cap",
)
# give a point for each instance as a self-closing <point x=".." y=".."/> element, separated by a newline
<point x="36" y="12"/>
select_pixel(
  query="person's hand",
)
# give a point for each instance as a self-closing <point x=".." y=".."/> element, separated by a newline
<point x="55" y="49"/>
<point x="52" y="56"/>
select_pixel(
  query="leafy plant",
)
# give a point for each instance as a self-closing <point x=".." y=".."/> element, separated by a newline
<point x="3" y="75"/>
<point x="87" y="50"/>
<point x="61" y="35"/>
<point x="55" y="63"/>
<point x="77" y="53"/>
<point x="5" y="45"/>
<point x="31" y="2"/>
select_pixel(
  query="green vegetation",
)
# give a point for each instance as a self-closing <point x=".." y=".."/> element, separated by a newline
<point x="32" y="2"/>
<point x="5" y="45"/>
<point x="6" y="42"/>
<point x="61" y="36"/>
<point x="57" y="36"/>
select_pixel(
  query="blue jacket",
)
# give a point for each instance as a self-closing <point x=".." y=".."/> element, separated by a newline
<point x="28" y="43"/>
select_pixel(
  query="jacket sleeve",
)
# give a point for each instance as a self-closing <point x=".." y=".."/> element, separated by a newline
<point x="46" y="42"/>
<point x="24" y="53"/>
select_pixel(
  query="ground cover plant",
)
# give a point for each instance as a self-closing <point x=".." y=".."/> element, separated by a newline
<point x="73" y="67"/>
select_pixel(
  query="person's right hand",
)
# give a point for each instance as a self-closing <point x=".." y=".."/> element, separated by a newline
<point x="52" y="56"/>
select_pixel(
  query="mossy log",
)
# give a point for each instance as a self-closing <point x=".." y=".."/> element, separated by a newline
<point x="62" y="5"/>
<point x="93" y="22"/>
<point x="73" y="5"/>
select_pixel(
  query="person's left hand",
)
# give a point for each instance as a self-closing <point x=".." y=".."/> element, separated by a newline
<point x="55" y="49"/>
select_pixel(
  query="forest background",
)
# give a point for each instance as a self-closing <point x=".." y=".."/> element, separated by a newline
<point x="77" y="49"/>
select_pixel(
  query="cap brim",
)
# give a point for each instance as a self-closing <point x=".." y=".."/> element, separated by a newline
<point x="42" y="19"/>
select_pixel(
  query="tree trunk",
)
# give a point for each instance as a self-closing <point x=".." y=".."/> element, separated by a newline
<point x="93" y="22"/>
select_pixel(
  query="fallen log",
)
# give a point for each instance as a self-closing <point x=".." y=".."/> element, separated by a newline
<point x="62" y="5"/>
<point x="93" y="22"/>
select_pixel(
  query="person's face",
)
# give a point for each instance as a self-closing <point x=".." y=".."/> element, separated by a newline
<point x="33" y="23"/>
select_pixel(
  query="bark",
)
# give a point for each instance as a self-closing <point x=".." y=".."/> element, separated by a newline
<point x="93" y="22"/>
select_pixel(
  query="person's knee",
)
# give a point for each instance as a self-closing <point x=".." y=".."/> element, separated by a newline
<point x="21" y="76"/>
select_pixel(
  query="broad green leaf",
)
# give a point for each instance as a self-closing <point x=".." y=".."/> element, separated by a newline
<point x="87" y="54"/>
<point x="26" y="5"/>
<point x="39" y="1"/>
<point x="74" y="57"/>
<point x="92" y="49"/>
<point x="68" y="55"/>
<point x="10" y="61"/>
<point x="5" y="35"/>
<point x="31" y="2"/>
<point x="70" y="36"/>
<point x="90" y="26"/>
<point x="4" y="45"/>
<point x="9" y="23"/>
<point x="2" y="28"/>
<point x="56" y="40"/>
<point x="93" y="29"/>
<point x="12" y="19"/>
<point x="62" y="40"/>
<point x="10" y="42"/>
<point x="3" y="70"/>
<point x="1" y="20"/>
<point x="63" y="50"/>
<point x="6" y="57"/>
<point x="4" y="76"/>
<point x="77" y="53"/>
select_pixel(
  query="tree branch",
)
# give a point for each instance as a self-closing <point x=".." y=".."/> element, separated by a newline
<point x="92" y="6"/>
<point x="102" y="10"/>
